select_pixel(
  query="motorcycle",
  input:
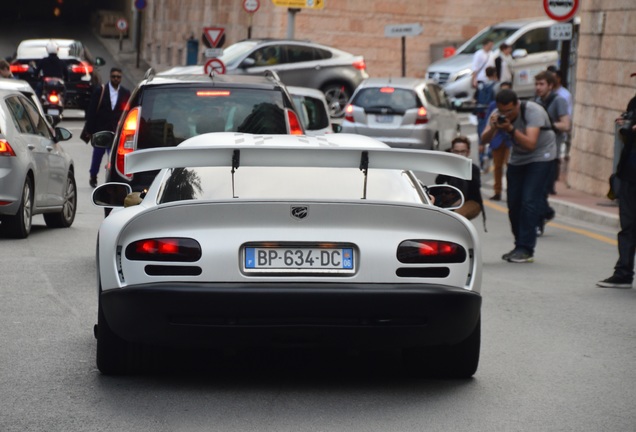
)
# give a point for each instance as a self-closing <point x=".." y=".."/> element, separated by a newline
<point x="52" y="98"/>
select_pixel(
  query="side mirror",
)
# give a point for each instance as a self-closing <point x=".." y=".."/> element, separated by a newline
<point x="336" y="127"/>
<point x="62" y="134"/>
<point x="103" y="139"/>
<point x="446" y="196"/>
<point x="111" y="194"/>
<point x="99" y="61"/>
<point x="456" y="104"/>
<point x="247" y="63"/>
<point x="519" y="53"/>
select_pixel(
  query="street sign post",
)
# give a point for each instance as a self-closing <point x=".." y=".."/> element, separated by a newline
<point x="215" y="65"/>
<point x="122" y="25"/>
<point x="561" y="31"/>
<point x="309" y="4"/>
<point x="251" y="6"/>
<point x="212" y="36"/>
<point x="401" y="31"/>
<point x="561" y="10"/>
<point x="213" y="52"/>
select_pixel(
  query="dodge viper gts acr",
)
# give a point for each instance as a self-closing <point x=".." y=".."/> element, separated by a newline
<point x="276" y="239"/>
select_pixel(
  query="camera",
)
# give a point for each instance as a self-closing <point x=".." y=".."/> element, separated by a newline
<point x="501" y="119"/>
<point x="625" y="131"/>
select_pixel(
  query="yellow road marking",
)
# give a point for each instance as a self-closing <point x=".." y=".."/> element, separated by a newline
<point x="583" y="232"/>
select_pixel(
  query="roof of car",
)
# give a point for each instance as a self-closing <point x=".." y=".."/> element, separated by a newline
<point x="519" y="23"/>
<point x="305" y="91"/>
<point x="36" y="48"/>
<point x="394" y="82"/>
<point x="15" y="85"/>
<point x="257" y="81"/>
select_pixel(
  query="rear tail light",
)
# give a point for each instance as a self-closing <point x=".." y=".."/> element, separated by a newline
<point x="164" y="249"/>
<point x="360" y="65"/>
<point x="213" y="93"/>
<point x="421" y="118"/>
<point x="5" y="148"/>
<point x="127" y="139"/>
<point x="387" y="90"/>
<point x="54" y="98"/>
<point x="82" y="68"/>
<point x="293" y="123"/>
<point x="349" y="113"/>
<point x="430" y="252"/>
<point x="19" y="68"/>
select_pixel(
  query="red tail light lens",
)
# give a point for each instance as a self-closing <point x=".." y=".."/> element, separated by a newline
<point x="349" y="113"/>
<point x="360" y="65"/>
<point x="82" y="68"/>
<point x="421" y="116"/>
<point x="126" y="142"/>
<point x="293" y="123"/>
<point x="54" y="98"/>
<point x="5" y="148"/>
<point x="430" y="252"/>
<point x="164" y="249"/>
<point x="19" y="68"/>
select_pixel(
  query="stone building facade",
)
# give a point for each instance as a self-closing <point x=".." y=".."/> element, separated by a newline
<point x="606" y="53"/>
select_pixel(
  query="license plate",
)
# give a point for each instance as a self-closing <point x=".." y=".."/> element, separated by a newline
<point x="384" y="118"/>
<point x="53" y="111"/>
<point x="299" y="259"/>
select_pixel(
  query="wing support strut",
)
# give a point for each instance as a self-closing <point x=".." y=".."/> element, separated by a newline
<point x="236" y="162"/>
<point x="364" y="167"/>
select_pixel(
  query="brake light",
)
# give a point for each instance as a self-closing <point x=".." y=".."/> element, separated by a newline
<point x="421" y="116"/>
<point x="126" y="142"/>
<point x="82" y="68"/>
<point x="213" y="93"/>
<point x="349" y="113"/>
<point x="54" y="98"/>
<point x="430" y="252"/>
<point x="360" y="65"/>
<point x="387" y="90"/>
<point x="19" y="68"/>
<point x="5" y="148"/>
<point x="293" y="123"/>
<point x="164" y="249"/>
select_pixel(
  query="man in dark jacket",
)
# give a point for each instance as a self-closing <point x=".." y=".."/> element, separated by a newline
<point x="106" y="106"/>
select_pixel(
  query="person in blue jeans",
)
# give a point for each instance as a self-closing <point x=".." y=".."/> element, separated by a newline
<point x="533" y="152"/>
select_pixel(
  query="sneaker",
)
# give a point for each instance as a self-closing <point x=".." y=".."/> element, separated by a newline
<point x="93" y="182"/>
<point x="495" y="197"/>
<point x="614" y="282"/>
<point x="520" y="256"/>
<point x="540" y="229"/>
<point x="507" y="255"/>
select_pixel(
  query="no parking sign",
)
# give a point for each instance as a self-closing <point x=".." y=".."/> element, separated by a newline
<point x="214" y="65"/>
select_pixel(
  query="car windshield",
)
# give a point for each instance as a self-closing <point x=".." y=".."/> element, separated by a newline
<point x="216" y="183"/>
<point x="386" y="99"/>
<point x="312" y="111"/>
<point x="235" y="52"/>
<point x="496" y="34"/>
<point x="172" y="115"/>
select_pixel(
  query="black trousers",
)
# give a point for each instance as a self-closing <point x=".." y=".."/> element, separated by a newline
<point x="627" y="235"/>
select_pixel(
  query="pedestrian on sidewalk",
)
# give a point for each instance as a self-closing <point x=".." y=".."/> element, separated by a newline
<point x="482" y="58"/>
<point x="499" y="149"/>
<point x="484" y="95"/>
<point x="503" y="63"/>
<point x="531" y="159"/>
<point x="626" y="171"/>
<point x="106" y="106"/>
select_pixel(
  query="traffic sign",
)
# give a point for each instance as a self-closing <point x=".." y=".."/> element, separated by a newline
<point x="214" y="65"/>
<point x="561" y="10"/>
<point x="213" y="52"/>
<point x="561" y="31"/>
<point x="122" y="24"/>
<point x="213" y="35"/>
<point x="311" y="4"/>
<point x="251" y="6"/>
<point x="400" y="30"/>
<point x="140" y="4"/>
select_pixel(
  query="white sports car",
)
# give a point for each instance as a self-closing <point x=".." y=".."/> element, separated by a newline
<point x="278" y="239"/>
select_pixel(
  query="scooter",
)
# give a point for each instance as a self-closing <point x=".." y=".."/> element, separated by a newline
<point x="53" y="93"/>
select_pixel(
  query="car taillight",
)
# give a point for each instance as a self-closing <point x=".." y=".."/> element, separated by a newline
<point x="421" y="116"/>
<point x="430" y="252"/>
<point x="54" y="98"/>
<point x="349" y="113"/>
<point x="387" y="90"/>
<point x="293" y="123"/>
<point x="5" y="148"/>
<point x="164" y="249"/>
<point x="360" y="65"/>
<point x="213" y="93"/>
<point x="82" y="68"/>
<point x="19" y="68"/>
<point x="126" y="142"/>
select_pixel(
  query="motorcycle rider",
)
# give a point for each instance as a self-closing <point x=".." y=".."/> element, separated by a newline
<point x="50" y="66"/>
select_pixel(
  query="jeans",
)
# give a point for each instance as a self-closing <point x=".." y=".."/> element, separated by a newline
<point x="627" y="235"/>
<point x="526" y="196"/>
<point x="96" y="161"/>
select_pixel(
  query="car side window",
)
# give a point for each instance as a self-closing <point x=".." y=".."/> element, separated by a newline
<point x="269" y="55"/>
<point x="322" y="54"/>
<point x="299" y="53"/>
<point x="537" y="40"/>
<point x="20" y="116"/>
<point x="40" y="126"/>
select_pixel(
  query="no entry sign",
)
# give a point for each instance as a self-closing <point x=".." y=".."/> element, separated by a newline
<point x="561" y="10"/>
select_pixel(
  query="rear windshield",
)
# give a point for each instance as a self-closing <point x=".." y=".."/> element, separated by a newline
<point x="386" y="100"/>
<point x="171" y="115"/>
<point x="312" y="111"/>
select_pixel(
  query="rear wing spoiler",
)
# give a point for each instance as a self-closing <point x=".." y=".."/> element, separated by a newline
<point x="212" y="150"/>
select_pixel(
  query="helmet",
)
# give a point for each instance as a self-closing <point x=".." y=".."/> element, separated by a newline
<point x="51" y="47"/>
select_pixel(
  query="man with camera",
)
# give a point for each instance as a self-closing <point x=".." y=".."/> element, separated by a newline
<point x="626" y="172"/>
<point x="533" y="152"/>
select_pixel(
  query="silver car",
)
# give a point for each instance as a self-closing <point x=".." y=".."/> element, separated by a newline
<point x="36" y="175"/>
<point x="402" y="112"/>
<point x="312" y="110"/>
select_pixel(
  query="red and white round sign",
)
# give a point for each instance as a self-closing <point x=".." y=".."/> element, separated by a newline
<point x="122" y="24"/>
<point x="251" y="6"/>
<point x="561" y="10"/>
<point x="215" y="65"/>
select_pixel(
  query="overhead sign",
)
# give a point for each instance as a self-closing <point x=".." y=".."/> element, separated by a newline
<point x="251" y="6"/>
<point x="213" y="35"/>
<point x="311" y="4"/>
<point x="561" y="10"/>
<point x="561" y="31"/>
<point x="122" y="24"/>
<point x="400" y="30"/>
<point x="214" y="65"/>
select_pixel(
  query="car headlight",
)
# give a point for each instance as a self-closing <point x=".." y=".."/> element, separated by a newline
<point x="462" y="74"/>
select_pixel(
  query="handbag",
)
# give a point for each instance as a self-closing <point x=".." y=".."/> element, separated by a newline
<point x="614" y="187"/>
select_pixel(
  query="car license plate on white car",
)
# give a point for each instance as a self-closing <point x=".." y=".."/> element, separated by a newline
<point x="381" y="118"/>
<point x="52" y="111"/>
<point x="299" y="260"/>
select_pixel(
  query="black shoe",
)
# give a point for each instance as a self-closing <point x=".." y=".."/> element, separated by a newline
<point x="520" y="256"/>
<point x="93" y="182"/>
<point x="614" y="282"/>
<point x="540" y="229"/>
<point x="495" y="197"/>
<point x="507" y="255"/>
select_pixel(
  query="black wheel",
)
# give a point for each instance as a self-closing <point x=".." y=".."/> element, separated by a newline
<point x="19" y="225"/>
<point x="65" y="218"/>
<point x="337" y="96"/>
<point x="115" y="356"/>
<point x="454" y="361"/>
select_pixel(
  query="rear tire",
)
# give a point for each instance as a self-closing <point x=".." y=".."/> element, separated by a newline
<point x="19" y="225"/>
<point x="337" y="96"/>
<point x="66" y="216"/>
<point x="115" y="356"/>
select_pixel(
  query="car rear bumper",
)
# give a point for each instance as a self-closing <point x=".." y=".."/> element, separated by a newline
<point x="209" y="315"/>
